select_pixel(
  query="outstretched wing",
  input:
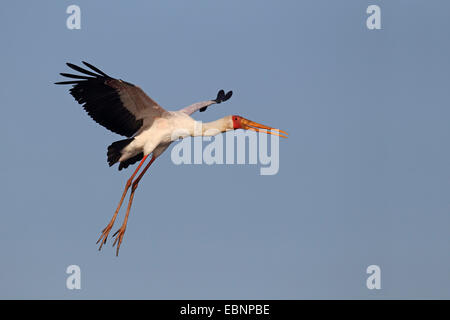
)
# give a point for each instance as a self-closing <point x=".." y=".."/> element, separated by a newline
<point x="221" y="97"/>
<point x="117" y="105"/>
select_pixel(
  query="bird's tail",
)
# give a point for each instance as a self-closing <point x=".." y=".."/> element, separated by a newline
<point x="115" y="150"/>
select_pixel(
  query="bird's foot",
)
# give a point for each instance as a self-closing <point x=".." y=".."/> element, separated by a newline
<point x="119" y="237"/>
<point x="104" y="236"/>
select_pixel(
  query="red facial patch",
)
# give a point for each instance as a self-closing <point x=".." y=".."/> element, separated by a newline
<point x="236" y="122"/>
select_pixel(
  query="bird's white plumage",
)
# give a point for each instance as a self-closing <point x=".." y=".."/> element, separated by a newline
<point x="172" y="126"/>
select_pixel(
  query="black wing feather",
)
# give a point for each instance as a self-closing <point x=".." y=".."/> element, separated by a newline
<point x="101" y="101"/>
<point x="95" y="69"/>
<point x="79" y="69"/>
<point x="66" y="82"/>
<point x="221" y="97"/>
<point x="75" y="76"/>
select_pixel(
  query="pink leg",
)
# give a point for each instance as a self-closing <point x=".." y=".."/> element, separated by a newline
<point x="107" y="229"/>
<point x="122" y="229"/>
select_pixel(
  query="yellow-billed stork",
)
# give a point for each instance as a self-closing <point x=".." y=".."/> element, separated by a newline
<point x="125" y="109"/>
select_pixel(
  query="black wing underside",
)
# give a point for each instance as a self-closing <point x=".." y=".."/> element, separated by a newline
<point x="99" y="95"/>
<point x="221" y="97"/>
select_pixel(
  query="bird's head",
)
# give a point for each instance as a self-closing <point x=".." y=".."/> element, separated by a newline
<point x="239" y="122"/>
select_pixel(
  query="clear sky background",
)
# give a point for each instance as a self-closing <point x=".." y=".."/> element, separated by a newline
<point x="364" y="177"/>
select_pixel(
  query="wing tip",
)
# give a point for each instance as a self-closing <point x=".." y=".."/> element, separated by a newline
<point x="87" y="64"/>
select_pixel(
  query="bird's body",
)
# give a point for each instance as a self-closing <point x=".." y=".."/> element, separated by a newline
<point x="148" y="139"/>
<point x="125" y="109"/>
<point x="170" y="127"/>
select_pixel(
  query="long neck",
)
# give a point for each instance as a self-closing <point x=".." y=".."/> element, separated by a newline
<point x="210" y="128"/>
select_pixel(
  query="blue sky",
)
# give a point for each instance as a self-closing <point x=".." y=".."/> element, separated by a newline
<point x="363" y="178"/>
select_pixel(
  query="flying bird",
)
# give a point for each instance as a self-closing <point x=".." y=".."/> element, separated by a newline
<point x="149" y="129"/>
